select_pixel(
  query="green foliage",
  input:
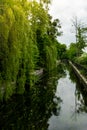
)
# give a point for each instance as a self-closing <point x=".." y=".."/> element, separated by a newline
<point x="76" y="49"/>
<point x="54" y="28"/>
<point x="72" y="52"/>
<point x="27" y="43"/>
<point x="81" y="39"/>
<point x="51" y="56"/>
<point x="61" y="51"/>
<point x="16" y="51"/>
<point x="82" y="59"/>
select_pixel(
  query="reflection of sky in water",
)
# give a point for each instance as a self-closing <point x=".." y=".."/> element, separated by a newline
<point x="68" y="118"/>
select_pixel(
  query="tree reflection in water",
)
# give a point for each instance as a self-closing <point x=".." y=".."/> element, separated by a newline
<point x="32" y="110"/>
<point x="80" y="93"/>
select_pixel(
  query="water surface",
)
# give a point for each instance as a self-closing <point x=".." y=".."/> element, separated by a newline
<point x="73" y="114"/>
<point x="57" y="102"/>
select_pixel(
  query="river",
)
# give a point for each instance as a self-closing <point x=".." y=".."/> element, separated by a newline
<point x="72" y="115"/>
<point x="56" y="102"/>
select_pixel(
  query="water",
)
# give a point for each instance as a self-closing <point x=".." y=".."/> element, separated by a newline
<point x="70" y="118"/>
<point x="56" y="102"/>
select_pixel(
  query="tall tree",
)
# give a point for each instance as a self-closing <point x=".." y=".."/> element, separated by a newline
<point x="27" y="41"/>
<point x="80" y="34"/>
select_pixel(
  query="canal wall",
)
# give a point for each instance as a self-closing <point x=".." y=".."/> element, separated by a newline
<point x="79" y="75"/>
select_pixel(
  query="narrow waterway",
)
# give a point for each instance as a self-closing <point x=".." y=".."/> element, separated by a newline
<point x="73" y="113"/>
<point x="56" y="102"/>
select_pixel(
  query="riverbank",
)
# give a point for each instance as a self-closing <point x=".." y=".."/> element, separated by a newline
<point x="79" y="75"/>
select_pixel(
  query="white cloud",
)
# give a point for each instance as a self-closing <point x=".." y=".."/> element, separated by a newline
<point x="65" y="10"/>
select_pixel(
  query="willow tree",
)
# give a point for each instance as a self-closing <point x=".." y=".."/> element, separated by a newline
<point x="27" y="41"/>
<point x="39" y="23"/>
<point x="16" y="48"/>
<point x="45" y="32"/>
<point x="53" y="31"/>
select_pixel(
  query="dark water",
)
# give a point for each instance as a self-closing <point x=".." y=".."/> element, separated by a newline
<point x="56" y="102"/>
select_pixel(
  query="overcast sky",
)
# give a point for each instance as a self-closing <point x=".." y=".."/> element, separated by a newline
<point x="65" y="10"/>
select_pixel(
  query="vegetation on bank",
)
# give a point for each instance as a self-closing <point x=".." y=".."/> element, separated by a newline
<point x="27" y="43"/>
<point x="76" y="52"/>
